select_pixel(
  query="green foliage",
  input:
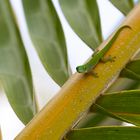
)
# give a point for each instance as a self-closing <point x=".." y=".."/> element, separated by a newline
<point x="125" y="6"/>
<point x="48" y="38"/>
<point x="83" y="16"/>
<point x="124" y="105"/>
<point x="105" y="133"/>
<point x="15" y="74"/>
<point x="93" y="119"/>
<point x="132" y="70"/>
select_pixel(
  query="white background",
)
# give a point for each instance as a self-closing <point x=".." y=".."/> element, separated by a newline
<point x="44" y="86"/>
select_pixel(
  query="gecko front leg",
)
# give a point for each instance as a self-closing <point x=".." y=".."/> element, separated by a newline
<point x="108" y="59"/>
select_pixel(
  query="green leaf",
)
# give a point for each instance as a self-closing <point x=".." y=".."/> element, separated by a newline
<point x="91" y="119"/>
<point x="48" y="38"/>
<point x="15" y="72"/>
<point x="119" y="85"/>
<point x="124" y="105"/>
<point x="83" y="16"/>
<point x="105" y="133"/>
<point x="125" y="6"/>
<point x="132" y="70"/>
<point x="97" y="119"/>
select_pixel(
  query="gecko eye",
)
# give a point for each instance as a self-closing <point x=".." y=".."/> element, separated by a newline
<point x="81" y="69"/>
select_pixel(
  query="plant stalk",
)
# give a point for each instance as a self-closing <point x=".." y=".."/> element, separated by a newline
<point x="77" y="95"/>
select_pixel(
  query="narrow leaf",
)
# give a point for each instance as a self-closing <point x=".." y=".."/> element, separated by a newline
<point x="15" y="72"/>
<point x="48" y="38"/>
<point x="83" y="16"/>
<point x="105" y="133"/>
<point x="124" y="105"/>
<point x="91" y="119"/>
<point x="132" y="70"/>
<point x="97" y="119"/>
<point x="119" y="85"/>
<point x="125" y="6"/>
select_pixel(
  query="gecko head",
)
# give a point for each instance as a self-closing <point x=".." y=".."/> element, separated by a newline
<point x="81" y="69"/>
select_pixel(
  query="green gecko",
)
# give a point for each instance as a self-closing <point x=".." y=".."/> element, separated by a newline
<point x="98" y="55"/>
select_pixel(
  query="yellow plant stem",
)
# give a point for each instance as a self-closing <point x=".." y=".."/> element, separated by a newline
<point x="81" y="90"/>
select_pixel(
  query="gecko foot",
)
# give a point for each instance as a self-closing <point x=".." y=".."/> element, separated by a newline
<point x="108" y="59"/>
<point x="94" y="74"/>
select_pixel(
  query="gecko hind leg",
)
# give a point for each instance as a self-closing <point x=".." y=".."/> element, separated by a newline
<point x="108" y="59"/>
